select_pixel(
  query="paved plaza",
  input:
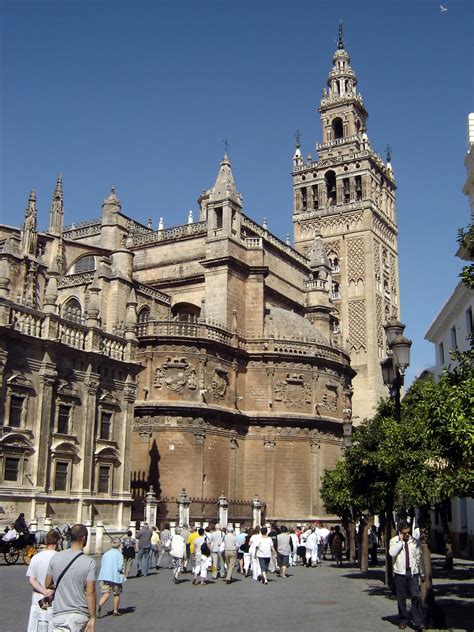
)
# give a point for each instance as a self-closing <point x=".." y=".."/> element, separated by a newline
<point x="326" y="599"/>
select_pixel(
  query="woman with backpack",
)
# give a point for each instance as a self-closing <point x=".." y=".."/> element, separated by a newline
<point x="128" y="552"/>
<point x="336" y="541"/>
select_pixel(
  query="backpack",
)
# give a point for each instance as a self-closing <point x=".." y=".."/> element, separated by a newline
<point x="205" y="549"/>
<point x="128" y="552"/>
<point x="336" y="541"/>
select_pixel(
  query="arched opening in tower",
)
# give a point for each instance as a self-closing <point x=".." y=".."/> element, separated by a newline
<point x="330" y="179"/>
<point x="337" y="128"/>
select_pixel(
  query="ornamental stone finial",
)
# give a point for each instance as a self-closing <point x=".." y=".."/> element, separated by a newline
<point x="340" y="43"/>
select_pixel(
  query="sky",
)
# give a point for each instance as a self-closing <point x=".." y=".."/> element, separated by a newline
<point x="141" y="95"/>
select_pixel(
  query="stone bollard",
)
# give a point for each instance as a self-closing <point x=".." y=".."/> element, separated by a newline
<point x="237" y="528"/>
<point x="223" y="508"/>
<point x="173" y="528"/>
<point x="256" y="511"/>
<point x="197" y="525"/>
<point x="47" y="524"/>
<point x="133" y="529"/>
<point x="88" y="547"/>
<point x="34" y="525"/>
<point x="99" y="538"/>
<point x="205" y="524"/>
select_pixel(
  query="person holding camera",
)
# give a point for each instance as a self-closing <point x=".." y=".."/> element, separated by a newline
<point x="40" y="610"/>
<point x="408" y="569"/>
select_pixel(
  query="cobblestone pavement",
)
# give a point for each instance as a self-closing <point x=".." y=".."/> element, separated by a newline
<point x="324" y="599"/>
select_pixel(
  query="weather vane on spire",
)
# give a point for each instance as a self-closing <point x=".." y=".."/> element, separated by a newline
<point x="226" y="145"/>
<point x="298" y="138"/>
<point x="389" y="153"/>
<point x="340" y="43"/>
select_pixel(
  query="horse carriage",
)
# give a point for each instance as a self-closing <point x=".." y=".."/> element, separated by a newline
<point x="28" y="544"/>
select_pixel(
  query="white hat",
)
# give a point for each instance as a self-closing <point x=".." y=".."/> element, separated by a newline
<point x="229" y="528"/>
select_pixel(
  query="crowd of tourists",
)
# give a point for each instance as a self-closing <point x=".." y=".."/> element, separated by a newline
<point x="64" y="582"/>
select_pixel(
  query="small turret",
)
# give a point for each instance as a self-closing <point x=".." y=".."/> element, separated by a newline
<point x="225" y="204"/>
<point x="51" y="295"/>
<point x="56" y="213"/>
<point x="111" y="235"/>
<point x="297" y="157"/>
<point x="131" y="316"/>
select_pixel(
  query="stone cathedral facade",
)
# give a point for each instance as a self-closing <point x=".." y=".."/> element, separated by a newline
<point x="210" y="356"/>
<point x="348" y="197"/>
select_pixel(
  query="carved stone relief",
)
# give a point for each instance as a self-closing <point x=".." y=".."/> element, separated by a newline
<point x="292" y="391"/>
<point x="330" y="398"/>
<point x="175" y="374"/>
<point x="219" y="383"/>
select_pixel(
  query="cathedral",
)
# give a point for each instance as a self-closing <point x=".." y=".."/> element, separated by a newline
<point x="211" y="361"/>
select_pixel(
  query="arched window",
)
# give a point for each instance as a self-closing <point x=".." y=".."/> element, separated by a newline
<point x="143" y="315"/>
<point x="330" y="179"/>
<point x="72" y="310"/>
<point x="337" y="128"/>
<point x="335" y="293"/>
<point x="84" y="264"/>
<point x="334" y="262"/>
<point x="185" y="312"/>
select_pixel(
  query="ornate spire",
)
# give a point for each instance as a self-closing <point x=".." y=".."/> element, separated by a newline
<point x="29" y="233"/>
<point x="340" y="43"/>
<point x="224" y="188"/>
<point x="112" y="199"/>
<point x="56" y="213"/>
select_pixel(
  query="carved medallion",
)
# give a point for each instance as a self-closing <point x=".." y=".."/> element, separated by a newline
<point x="219" y="383"/>
<point x="176" y="373"/>
<point x="293" y="391"/>
<point x="330" y="398"/>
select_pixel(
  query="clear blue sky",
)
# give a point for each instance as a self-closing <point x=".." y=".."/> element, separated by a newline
<point x="141" y="95"/>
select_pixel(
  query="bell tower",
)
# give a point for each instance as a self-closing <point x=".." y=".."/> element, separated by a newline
<point x="347" y="195"/>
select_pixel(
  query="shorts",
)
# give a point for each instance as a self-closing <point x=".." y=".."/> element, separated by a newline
<point x="264" y="563"/>
<point x="240" y="555"/>
<point x="108" y="587"/>
<point x="283" y="560"/>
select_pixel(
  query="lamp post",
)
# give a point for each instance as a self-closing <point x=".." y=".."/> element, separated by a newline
<point x="393" y="374"/>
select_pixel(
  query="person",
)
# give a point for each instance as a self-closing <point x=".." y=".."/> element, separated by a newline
<point x="310" y="539"/>
<point x="373" y="544"/>
<point x="71" y="575"/>
<point x="111" y="577"/>
<point x="284" y="549"/>
<point x="408" y="569"/>
<point x="273" y="532"/>
<point x="36" y="574"/>
<point x="336" y="542"/>
<point x="155" y="547"/>
<point x="10" y="534"/>
<point x="128" y="551"/>
<point x="202" y="558"/>
<point x="190" y="548"/>
<point x="185" y="533"/>
<point x="144" y="547"/>
<point x="216" y="546"/>
<point x="20" y="524"/>
<point x="324" y="533"/>
<point x="178" y="553"/>
<point x="230" y="551"/>
<point x="264" y="551"/>
<point x="294" y="542"/>
<point x="254" y="540"/>
<point x="241" y="537"/>
<point x="246" y="549"/>
<point x="301" y="550"/>
<point x="165" y="545"/>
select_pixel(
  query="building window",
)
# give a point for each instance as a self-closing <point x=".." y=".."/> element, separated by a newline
<point x="105" y="425"/>
<point x="335" y="293"/>
<point x="334" y="263"/>
<point x="469" y="321"/>
<point x="72" y="310"/>
<point x="104" y="479"/>
<point x="64" y="413"/>
<point x="16" y="411"/>
<point x="441" y="352"/>
<point x="143" y="315"/>
<point x="61" y="476"/>
<point x="219" y="217"/>
<point x="12" y="468"/>
<point x="85" y="264"/>
<point x="454" y="338"/>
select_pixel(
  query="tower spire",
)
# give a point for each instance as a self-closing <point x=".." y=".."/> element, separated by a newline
<point x="56" y="213"/>
<point x="224" y="187"/>
<point x="340" y="42"/>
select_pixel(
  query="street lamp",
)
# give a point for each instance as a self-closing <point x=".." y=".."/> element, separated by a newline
<point x="393" y="368"/>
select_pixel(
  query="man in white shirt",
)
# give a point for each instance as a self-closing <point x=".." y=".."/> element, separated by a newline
<point x="310" y="539"/>
<point x="408" y="568"/>
<point x="36" y="574"/>
<point x="216" y="546"/>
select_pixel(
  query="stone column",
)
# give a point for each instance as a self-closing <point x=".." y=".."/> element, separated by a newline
<point x="173" y="528"/>
<point x="88" y="547"/>
<point x="34" y="526"/>
<point x="133" y="528"/>
<point x="47" y="524"/>
<point x="269" y="450"/>
<point x="183" y="508"/>
<point x="315" y="447"/>
<point x="237" y="528"/>
<point x="151" y="507"/>
<point x="42" y="425"/>
<point x="256" y="511"/>
<point x="223" y="505"/>
<point x="99" y="538"/>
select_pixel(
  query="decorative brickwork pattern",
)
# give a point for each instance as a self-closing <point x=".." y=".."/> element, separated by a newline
<point x="356" y="259"/>
<point x="379" y="320"/>
<point x="357" y="325"/>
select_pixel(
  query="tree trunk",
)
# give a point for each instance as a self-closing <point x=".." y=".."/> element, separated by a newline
<point x="364" y="548"/>
<point x="448" y="543"/>
<point x="427" y="592"/>
<point x="388" y="536"/>
<point x="352" y="540"/>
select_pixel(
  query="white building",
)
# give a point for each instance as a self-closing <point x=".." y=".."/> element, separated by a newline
<point x="451" y="330"/>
